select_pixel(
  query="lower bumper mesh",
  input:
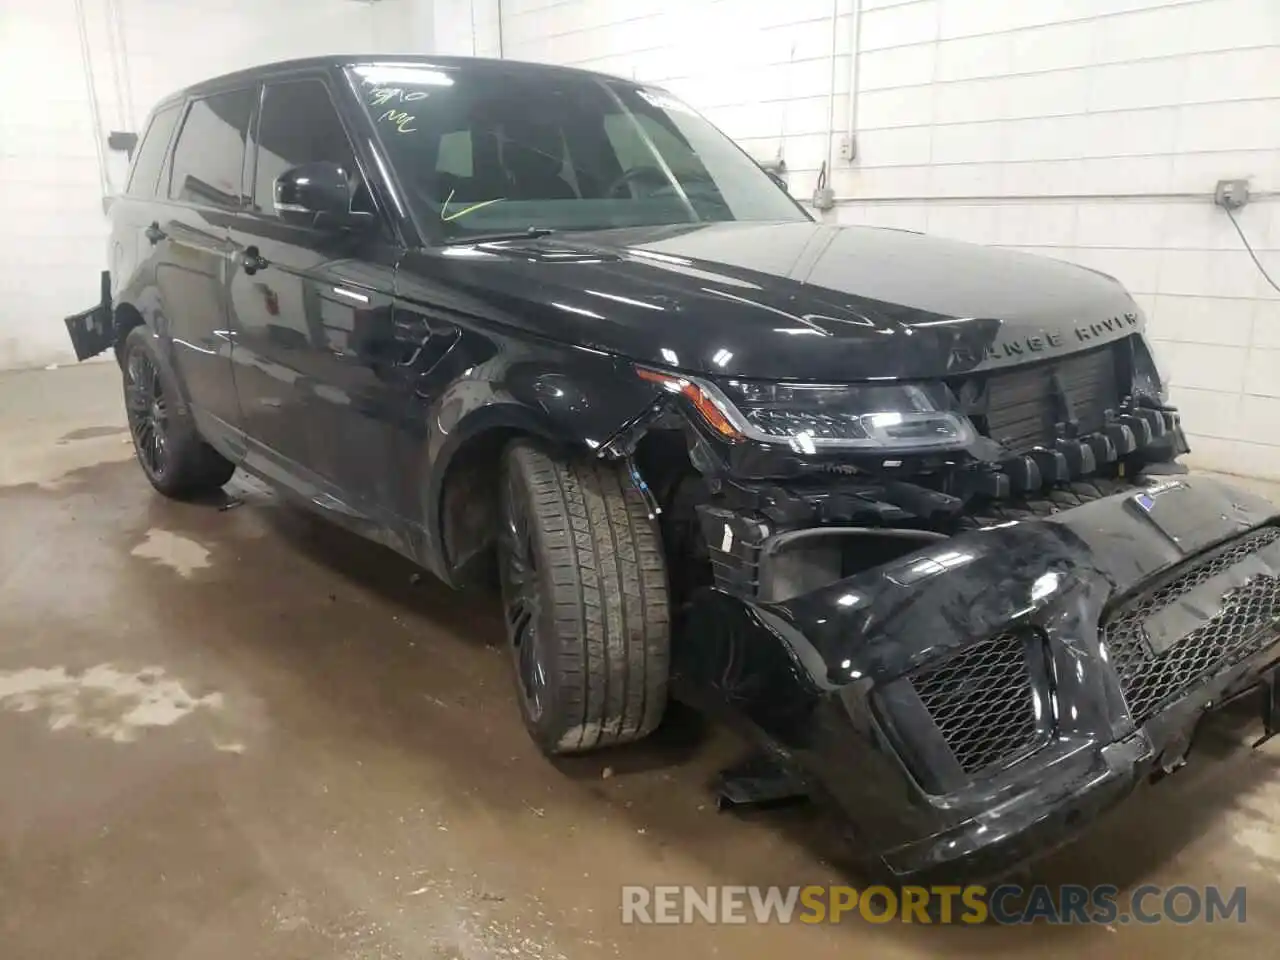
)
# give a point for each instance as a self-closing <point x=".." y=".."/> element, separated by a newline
<point x="1248" y="619"/>
<point x="982" y="700"/>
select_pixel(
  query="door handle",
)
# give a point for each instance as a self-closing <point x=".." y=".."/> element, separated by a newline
<point x="154" y="233"/>
<point x="252" y="261"/>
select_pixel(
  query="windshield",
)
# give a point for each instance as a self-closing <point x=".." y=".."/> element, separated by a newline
<point x="491" y="150"/>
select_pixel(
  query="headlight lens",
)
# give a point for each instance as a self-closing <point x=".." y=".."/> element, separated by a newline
<point x="807" y="417"/>
<point x="1147" y="381"/>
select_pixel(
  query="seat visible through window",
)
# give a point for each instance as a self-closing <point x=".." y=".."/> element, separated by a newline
<point x="533" y="160"/>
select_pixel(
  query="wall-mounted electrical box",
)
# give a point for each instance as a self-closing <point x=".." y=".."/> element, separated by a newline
<point x="1231" y="194"/>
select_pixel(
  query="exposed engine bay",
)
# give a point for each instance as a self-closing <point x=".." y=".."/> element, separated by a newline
<point x="785" y="500"/>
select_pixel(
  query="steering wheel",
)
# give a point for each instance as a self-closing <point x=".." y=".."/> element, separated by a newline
<point x="634" y="174"/>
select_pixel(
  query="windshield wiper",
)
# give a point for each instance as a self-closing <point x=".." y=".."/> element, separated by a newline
<point x="529" y="233"/>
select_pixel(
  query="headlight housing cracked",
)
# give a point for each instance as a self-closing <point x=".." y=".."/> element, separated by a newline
<point x="888" y="417"/>
<point x="1147" y="381"/>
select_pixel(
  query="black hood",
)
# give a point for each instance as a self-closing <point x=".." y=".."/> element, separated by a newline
<point x="794" y="300"/>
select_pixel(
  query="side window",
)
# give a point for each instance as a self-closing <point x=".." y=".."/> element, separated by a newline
<point x="151" y="152"/>
<point x="301" y="125"/>
<point x="209" y="155"/>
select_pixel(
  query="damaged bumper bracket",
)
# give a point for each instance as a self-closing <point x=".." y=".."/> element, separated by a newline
<point x="93" y="331"/>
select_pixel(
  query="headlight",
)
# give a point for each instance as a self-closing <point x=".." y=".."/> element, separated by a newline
<point x="1147" y="381"/>
<point x="806" y="417"/>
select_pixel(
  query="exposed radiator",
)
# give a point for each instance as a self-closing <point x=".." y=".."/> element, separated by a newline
<point x="1024" y="406"/>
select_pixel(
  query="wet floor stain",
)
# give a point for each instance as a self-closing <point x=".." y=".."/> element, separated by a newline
<point x="172" y="550"/>
<point x="103" y="701"/>
<point x="1251" y="822"/>
<point x="91" y="433"/>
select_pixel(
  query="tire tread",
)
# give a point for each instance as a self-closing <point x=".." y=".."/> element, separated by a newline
<point x="609" y="593"/>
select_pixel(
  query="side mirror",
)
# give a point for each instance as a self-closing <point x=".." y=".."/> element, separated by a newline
<point x="317" y="195"/>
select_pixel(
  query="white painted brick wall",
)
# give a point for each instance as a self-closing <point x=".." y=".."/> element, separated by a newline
<point x="464" y="28"/>
<point x="53" y="245"/>
<point x="973" y="114"/>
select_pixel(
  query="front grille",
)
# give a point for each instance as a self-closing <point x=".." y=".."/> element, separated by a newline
<point x="1249" y="617"/>
<point x="1025" y="405"/>
<point x="982" y="701"/>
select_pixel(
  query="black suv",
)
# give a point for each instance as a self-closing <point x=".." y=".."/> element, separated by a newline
<point x="902" y="509"/>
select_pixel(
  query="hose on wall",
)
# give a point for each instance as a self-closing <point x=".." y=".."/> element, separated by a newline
<point x="95" y="113"/>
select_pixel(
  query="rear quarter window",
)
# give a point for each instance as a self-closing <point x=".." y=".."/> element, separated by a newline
<point x="209" y="157"/>
<point x="148" y="160"/>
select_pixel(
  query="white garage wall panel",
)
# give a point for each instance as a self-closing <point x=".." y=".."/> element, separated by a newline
<point x="1024" y="124"/>
<point x="51" y="182"/>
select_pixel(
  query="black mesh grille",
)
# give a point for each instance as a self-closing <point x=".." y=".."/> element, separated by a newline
<point x="982" y="701"/>
<point x="1024" y="405"/>
<point x="1248" y="618"/>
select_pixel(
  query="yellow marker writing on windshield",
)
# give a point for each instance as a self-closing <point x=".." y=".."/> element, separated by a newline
<point x="465" y="210"/>
<point x="400" y="120"/>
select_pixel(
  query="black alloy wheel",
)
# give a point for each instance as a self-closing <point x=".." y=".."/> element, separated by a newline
<point x="170" y="449"/>
<point x="522" y="598"/>
<point x="148" y="412"/>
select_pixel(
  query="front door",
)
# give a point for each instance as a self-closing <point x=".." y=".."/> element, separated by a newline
<point x="313" y="315"/>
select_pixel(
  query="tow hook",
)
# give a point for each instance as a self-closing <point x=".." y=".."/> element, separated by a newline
<point x="1270" y="709"/>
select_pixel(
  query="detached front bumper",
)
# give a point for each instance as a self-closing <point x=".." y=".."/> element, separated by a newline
<point x="976" y="703"/>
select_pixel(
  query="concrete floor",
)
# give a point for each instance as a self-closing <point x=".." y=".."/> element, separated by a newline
<point x="246" y="734"/>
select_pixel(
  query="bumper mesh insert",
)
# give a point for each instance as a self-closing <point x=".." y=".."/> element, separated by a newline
<point x="982" y="701"/>
<point x="1249" y="617"/>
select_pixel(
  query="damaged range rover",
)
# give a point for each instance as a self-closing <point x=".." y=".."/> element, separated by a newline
<point x="903" y="510"/>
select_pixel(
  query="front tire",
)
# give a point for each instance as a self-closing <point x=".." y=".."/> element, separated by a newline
<point x="585" y="592"/>
<point x="176" y="461"/>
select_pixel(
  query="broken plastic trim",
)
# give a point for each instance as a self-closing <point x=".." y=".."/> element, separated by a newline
<point x="779" y="543"/>
<point x="622" y="444"/>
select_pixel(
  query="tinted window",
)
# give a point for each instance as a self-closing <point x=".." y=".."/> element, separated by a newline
<point x="631" y="138"/>
<point x="301" y="125"/>
<point x="150" y="156"/>
<point x="209" y="156"/>
<point x="495" y="148"/>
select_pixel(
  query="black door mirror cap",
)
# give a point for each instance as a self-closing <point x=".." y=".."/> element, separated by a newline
<point x="318" y="195"/>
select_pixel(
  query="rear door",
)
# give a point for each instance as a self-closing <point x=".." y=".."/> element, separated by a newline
<point x="189" y="234"/>
<point x="316" y="362"/>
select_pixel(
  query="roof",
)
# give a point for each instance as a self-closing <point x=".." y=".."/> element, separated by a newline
<point x="337" y="61"/>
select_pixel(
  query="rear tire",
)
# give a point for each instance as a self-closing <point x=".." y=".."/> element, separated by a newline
<point x="176" y="461"/>
<point x="585" y="592"/>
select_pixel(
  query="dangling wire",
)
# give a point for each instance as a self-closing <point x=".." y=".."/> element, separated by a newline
<point x="1247" y="246"/>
